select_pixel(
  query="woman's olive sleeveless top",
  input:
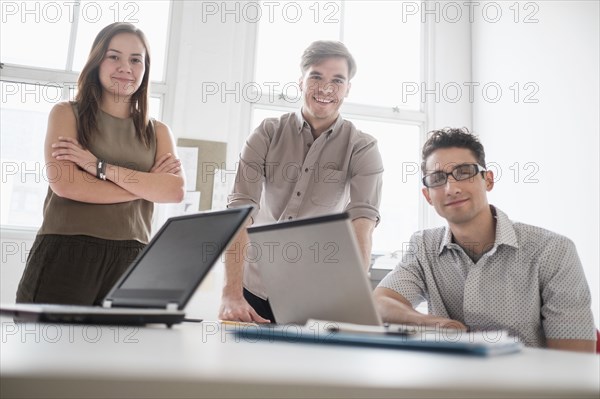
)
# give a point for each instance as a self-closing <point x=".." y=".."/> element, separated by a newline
<point x="116" y="143"/>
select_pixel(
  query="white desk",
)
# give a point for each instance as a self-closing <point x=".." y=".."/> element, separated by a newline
<point x="198" y="360"/>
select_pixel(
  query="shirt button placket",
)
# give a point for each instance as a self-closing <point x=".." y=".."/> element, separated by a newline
<point x="301" y="184"/>
<point x="472" y="294"/>
<point x="480" y="297"/>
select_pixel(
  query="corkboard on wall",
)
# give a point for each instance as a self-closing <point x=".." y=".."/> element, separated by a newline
<point x="211" y="156"/>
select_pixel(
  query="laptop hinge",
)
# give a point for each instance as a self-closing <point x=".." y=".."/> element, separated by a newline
<point x="172" y="306"/>
<point x="107" y="303"/>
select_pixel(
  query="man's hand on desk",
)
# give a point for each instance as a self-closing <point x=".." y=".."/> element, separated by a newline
<point x="441" y="322"/>
<point x="413" y="317"/>
<point x="238" y="309"/>
<point x="394" y="308"/>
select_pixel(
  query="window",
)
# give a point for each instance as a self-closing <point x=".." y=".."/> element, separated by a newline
<point x="44" y="46"/>
<point x="149" y="16"/>
<point x="388" y="52"/>
<point x="23" y="125"/>
<point x="399" y="145"/>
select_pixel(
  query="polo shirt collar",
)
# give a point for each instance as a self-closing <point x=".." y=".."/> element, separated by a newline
<point x="505" y="232"/>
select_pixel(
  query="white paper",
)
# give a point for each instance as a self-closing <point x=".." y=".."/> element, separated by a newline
<point x="222" y="185"/>
<point x="190" y="204"/>
<point x="189" y="163"/>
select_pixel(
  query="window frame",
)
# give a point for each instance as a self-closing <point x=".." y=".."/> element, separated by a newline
<point x="423" y="118"/>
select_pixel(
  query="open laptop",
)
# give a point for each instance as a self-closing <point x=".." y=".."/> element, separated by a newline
<point x="312" y="269"/>
<point x="160" y="281"/>
<point x="313" y="273"/>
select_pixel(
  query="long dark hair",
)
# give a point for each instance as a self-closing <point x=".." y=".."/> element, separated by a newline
<point x="89" y="87"/>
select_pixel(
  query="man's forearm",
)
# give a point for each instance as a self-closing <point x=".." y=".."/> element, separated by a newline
<point x="394" y="309"/>
<point x="234" y="265"/>
<point x="576" y="345"/>
<point x="363" y="229"/>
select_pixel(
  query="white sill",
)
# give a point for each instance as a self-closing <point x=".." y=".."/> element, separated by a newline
<point x="17" y="232"/>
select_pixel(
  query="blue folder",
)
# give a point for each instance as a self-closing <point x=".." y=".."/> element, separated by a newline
<point x="458" y="342"/>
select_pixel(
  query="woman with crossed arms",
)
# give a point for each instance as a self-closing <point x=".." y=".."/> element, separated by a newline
<point x="107" y="163"/>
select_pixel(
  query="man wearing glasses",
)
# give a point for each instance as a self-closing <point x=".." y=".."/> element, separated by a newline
<point x="483" y="271"/>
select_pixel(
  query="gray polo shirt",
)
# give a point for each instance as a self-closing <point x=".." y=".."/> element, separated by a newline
<point x="287" y="174"/>
<point x="530" y="282"/>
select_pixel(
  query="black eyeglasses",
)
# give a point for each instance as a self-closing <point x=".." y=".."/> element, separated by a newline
<point x="460" y="172"/>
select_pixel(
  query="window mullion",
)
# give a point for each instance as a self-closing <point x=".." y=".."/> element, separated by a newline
<point x="342" y="19"/>
<point x="36" y="75"/>
<point x="73" y="37"/>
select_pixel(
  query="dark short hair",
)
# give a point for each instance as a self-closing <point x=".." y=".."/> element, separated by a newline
<point x="452" y="137"/>
<point x="320" y="50"/>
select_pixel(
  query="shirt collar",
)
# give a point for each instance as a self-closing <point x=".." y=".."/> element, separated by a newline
<point x="334" y="128"/>
<point x="299" y="121"/>
<point x="505" y="232"/>
<point x="446" y="240"/>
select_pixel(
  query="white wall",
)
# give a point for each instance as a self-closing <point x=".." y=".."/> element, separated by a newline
<point x="448" y="46"/>
<point x="559" y="134"/>
<point x="211" y="53"/>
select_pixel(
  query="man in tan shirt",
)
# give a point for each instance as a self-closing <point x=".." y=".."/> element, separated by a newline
<point x="303" y="164"/>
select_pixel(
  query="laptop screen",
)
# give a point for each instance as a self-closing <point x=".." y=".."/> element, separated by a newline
<point x="313" y="269"/>
<point x="177" y="259"/>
